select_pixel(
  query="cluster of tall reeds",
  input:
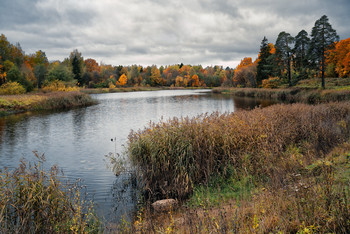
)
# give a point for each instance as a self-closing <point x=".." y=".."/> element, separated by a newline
<point x="177" y="154"/>
<point x="33" y="200"/>
<point x="290" y="152"/>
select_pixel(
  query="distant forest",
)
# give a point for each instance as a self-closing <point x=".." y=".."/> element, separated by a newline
<point x="288" y="60"/>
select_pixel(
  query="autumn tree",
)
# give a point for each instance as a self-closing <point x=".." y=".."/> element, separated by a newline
<point x="123" y="80"/>
<point x="2" y="74"/>
<point x="338" y="59"/>
<point x="195" y="80"/>
<point x="247" y="61"/>
<point x="284" y="53"/>
<point x="323" y="37"/>
<point x="91" y="65"/>
<point x="156" y="78"/>
<point x="179" y="81"/>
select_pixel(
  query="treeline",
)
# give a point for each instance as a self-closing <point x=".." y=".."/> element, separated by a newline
<point x="35" y="71"/>
<point x="292" y="59"/>
<point x="289" y="60"/>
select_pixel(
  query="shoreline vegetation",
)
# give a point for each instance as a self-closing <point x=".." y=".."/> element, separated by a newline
<point x="13" y="104"/>
<point x="35" y="200"/>
<point x="281" y="168"/>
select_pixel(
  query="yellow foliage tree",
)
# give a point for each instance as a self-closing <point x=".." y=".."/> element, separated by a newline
<point x="179" y="81"/>
<point x="122" y="80"/>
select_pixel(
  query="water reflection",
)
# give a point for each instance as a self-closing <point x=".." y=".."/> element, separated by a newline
<point x="78" y="139"/>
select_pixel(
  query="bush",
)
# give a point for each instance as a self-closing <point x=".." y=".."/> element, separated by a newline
<point x="271" y="83"/>
<point x="58" y="85"/>
<point x="11" y="88"/>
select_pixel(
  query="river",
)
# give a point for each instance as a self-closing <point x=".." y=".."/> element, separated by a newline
<point x="78" y="140"/>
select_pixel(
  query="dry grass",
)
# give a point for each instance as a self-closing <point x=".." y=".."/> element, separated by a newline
<point x="291" y="95"/>
<point x="33" y="200"/>
<point x="43" y="101"/>
<point x="300" y="183"/>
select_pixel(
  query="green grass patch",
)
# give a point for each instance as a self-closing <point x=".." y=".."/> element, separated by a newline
<point x="221" y="190"/>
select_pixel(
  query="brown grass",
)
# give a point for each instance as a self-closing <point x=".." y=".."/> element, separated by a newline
<point x="44" y="101"/>
<point x="301" y="178"/>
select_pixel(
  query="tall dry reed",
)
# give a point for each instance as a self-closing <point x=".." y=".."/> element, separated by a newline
<point x="269" y="143"/>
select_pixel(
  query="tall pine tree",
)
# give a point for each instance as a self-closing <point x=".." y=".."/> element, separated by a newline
<point x="284" y="53"/>
<point x="264" y="68"/>
<point x="323" y="37"/>
<point x="301" y="46"/>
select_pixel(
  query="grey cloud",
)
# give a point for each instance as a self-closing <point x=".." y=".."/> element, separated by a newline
<point x="157" y="32"/>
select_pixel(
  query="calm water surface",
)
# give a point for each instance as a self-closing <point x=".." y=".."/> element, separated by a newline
<point x="78" y="140"/>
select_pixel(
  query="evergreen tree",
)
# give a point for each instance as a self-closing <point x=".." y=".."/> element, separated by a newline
<point x="284" y="53"/>
<point x="302" y="44"/>
<point x="323" y="37"/>
<point x="40" y="72"/>
<point x="77" y="62"/>
<point x="264" y="68"/>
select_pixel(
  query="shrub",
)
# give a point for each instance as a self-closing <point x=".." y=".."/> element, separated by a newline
<point x="58" y="85"/>
<point x="271" y="83"/>
<point x="11" y="88"/>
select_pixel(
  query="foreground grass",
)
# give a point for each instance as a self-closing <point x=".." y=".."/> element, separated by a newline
<point x="33" y="200"/>
<point x="43" y="101"/>
<point x="282" y="168"/>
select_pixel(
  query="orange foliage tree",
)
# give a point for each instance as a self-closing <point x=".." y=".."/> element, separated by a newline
<point x="122" y="80"/>
<point x="91" y="65"/>
<point x="195" y="80"/>
<point x="338" y="58"/>
<point x="247" y="61"/>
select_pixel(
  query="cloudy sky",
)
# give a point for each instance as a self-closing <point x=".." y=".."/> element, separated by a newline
<point x="146" y="32"/>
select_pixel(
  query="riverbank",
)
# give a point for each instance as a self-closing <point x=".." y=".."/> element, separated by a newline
<point x="290" y="95"/>
<point x="12" y="104"/>
<point x="282" y="168"/>
<point x="307" y="91"/>
<point x="132" y="89"/>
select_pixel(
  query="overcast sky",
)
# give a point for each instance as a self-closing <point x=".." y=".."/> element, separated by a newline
<point x="146" y="32"/>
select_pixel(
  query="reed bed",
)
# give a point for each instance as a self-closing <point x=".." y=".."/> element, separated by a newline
<point x="43" y="101"/>
<point x="291" y="95"/>
<point x="296" y="156"/>
<point x="33" y="200"/>
<point x="267" y="143"/>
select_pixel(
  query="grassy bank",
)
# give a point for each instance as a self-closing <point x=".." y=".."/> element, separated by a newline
<point x="33" y="200"/>
<point x="305" y="91"/>
<point x="291" y="95"/>
<point x="282" y="168"/>
<point x="43" y="101"/>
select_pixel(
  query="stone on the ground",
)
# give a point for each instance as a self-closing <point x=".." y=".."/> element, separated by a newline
<point x="164" y="205"/>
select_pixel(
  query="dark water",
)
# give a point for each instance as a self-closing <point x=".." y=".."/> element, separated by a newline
<point x="78" y="140"/>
